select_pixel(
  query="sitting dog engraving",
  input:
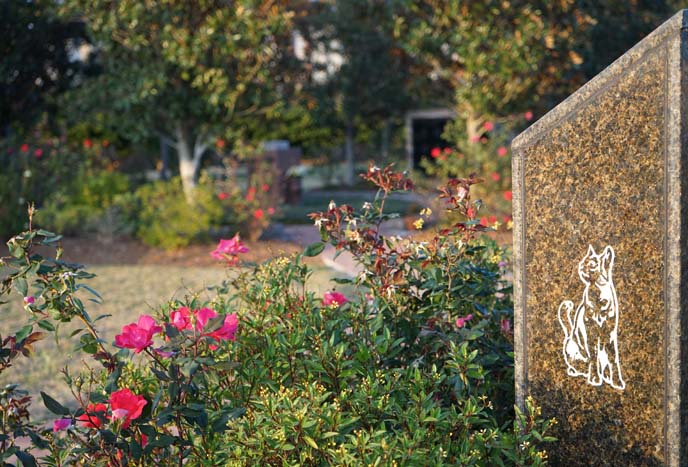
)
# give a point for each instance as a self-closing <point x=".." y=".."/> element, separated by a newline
<point x="591" y="347"/>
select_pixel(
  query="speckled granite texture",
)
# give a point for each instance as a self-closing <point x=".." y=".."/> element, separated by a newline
<point x="604" y="169"/>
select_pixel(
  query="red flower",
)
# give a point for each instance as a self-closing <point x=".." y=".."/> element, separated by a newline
<point x="220" y="143"/>
<point x="138" y="336"/>
<point x="528" y="116"/>
<point x="435" y="152"/>
<point x="507" y="219"/>
<point x="502" y="151"/>
<point x="223" y="195"/>
<point x="495" y="176"/>
<point x="93" y="415"/>
<point x="258" y="214"/>
<point x="484" y="222"/>
<point x="88" y="143"/>
<point x="461" y="322"/>
<point x="488" y="126"/>
<point x="447" y="150"/>
<point x="265" y="187"/>
<point x="507" y="195"/>
<point x="492" y="219"/>
<point x="127" y="405"/>
<point x="181" y="318"/>
<point x="250" y="194"/>
<point x="38" y="153"/>
<point x="334" y="299"/>
<point x="24" y="148"/>
<point x="470" y="212"/>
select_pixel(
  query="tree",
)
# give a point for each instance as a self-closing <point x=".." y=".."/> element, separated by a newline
<point x="497" y="57"/>
<point x="37" y="60"/>
<point x="361" y="79"/>
<point x="185" y="71"/>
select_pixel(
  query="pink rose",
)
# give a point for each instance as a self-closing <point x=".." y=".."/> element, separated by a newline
<point x="461" y="322"/>
<point x="502" y="151"/>
<point x="229" y="249"/>
<point x="334" y="299"/>
<point x="126" y="405"/>
<point x="29" y="300"/>
<point x="226" y="332"/>
<point x="508" y="195"/>
<point x="435" y="152"/>
<point x="181" y="318"/>
<point x="488" y="126"/>
<point x="61" y="424"/>
<point x="258" y="214"/>
<point x="495" y="176"/>
<point x="138" y="336"/>
<point x="528" y="116"/>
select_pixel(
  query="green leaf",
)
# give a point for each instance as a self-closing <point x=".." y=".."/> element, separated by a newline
<point x="26" y="459"/>
<point x="54" y="406"/>
<point x="23" y="332"/>
<point x="21" y="286"/>
<point x="314" y="249"/>
<point x="311" y="442"/>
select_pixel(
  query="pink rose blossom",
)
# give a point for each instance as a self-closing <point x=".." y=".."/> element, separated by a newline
<point x="271" y="211"/>
<point x="38" y="153"/>
<point x="495" y="176"/>
<point x="61" y="424"/>
<point x="226" y="332"/>
<point x="29" y="300"/>
<point x="508" y="195"/>
<point x="461" y="322"/>
<point x="334" y="299"/>
<point x="181" y="318"/>
<point x="258" y="214"/>
<point x="138" y="336"/>
<point x="502" y="151"/>
<point x="126" y="405"/>
<point x="475" y="138"/>
<point x="229" y="250"/>
<point x="528" y="116"/>
<point x="435" y="152"/>
<point x="24" y="148"/>
<point x="488" y="126"/>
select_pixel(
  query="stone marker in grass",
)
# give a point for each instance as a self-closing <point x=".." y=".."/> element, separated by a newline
<point x="601" y="261"/>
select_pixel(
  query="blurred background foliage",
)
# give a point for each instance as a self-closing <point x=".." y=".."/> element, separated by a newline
<point x="99" y="98"/>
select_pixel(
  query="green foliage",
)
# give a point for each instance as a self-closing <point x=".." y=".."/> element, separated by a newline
<point x="167" y="220"/>
<point x="81" y="205"/>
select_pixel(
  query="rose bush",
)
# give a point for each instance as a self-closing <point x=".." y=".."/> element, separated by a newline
<point x="410" y="363"/>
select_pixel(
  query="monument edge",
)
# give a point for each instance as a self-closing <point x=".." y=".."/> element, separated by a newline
<point x="520" y="341"/>
<point x="674" y="134"/>
<point x="674" y="24"/>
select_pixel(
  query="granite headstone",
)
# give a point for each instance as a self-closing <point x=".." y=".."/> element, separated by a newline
<point x="601" y="261"/>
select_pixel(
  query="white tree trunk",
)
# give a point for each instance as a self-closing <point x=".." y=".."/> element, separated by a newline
<point x="190" y="150"/>
<point x="349" y="166"/>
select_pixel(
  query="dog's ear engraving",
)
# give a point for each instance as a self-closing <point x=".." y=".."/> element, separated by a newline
<point x="591" y="331"/>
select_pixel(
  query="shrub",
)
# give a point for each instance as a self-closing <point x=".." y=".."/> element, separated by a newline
<point x="82" y="205"/>
<point x="412" y="366"/>
<point x="167" y="220"/>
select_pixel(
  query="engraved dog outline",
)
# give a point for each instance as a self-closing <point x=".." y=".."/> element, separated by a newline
<point x="590" y="345"/>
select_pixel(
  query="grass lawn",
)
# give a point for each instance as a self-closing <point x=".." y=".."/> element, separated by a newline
<point x="127" y="292"/>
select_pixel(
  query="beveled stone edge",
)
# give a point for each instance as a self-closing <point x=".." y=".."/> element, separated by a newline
<point x="674" y="221"/>
<point x="520" y="356"/>
<point x="531" y="134"/>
